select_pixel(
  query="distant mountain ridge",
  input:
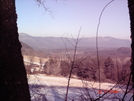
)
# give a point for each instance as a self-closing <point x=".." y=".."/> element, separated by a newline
<point x="26" y="49"/>
<point x="46" y="43"/>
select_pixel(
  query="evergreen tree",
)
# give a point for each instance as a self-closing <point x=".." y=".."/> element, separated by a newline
<point x="108" y="67"/>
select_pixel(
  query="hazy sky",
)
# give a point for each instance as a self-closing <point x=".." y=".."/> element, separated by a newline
<point x="70" y="15"/>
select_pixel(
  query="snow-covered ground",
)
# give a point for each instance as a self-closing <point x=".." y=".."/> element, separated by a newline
<point x="48" y="88"/>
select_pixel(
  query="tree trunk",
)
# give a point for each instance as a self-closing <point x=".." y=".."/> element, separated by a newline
<point x="13" y="80"/>
<point x="131" y="14"/>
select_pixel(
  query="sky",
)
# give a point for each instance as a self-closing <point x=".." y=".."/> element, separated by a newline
<point x="69" y="15"/>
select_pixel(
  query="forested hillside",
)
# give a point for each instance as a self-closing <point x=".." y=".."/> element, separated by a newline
<point x="114" y="63"/>
<point x="52" y="43"/>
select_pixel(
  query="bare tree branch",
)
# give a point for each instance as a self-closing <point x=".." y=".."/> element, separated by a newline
<point x="43" y="4"/>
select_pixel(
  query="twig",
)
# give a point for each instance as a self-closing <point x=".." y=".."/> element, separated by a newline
<point x="127" y="87"/>
<point x="72" y="64"/>
<point x="110" y="89"/>
<point x="97" y="50"/>
<point x="42" y="3"/>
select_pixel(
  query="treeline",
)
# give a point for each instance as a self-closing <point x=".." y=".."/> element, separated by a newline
<point x="111" y="69"/>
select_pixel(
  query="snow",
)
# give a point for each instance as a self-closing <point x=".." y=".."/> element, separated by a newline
<point x="54" y="89"/>
<point x="28" y="61"/>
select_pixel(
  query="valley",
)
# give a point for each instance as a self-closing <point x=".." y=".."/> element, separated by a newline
<point x="48" y="68"/>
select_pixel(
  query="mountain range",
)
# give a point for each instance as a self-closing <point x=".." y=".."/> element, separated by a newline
<point x="47" y="43"/>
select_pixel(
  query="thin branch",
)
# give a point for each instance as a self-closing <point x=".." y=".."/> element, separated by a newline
<point x="42" y="3"/>
<point x="111" y="88"/>
<point x="127" y="87"/>
<point x="72" y="64"/>
<point x="97" y="50"/>
<point x="66" y="49"/>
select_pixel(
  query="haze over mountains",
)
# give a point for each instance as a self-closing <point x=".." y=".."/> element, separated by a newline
<point x="46" y="43"/>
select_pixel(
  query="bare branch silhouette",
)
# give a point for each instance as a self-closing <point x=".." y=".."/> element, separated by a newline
<point x="97" y="50"/>
<point x="72" y="64"/>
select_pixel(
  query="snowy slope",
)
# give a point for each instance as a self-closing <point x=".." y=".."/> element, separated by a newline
<point x="54" y="89"/>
